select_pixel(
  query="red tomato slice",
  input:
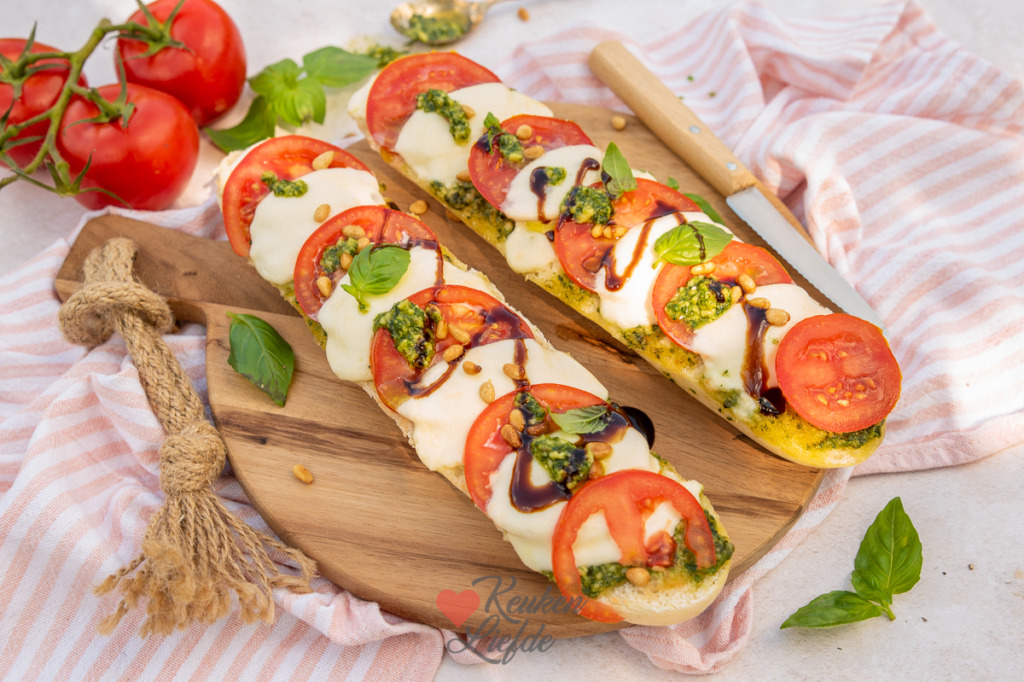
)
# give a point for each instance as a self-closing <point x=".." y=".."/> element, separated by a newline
<point x="382" y="225"/>
<point x="584" y="256"/>
<point x="838" y="372"/>
<point x="624" y="497"/>
<point x="485" y="448"/>
<point x="492" y="173"/>
<point x="392" y="97"/>
<point x="483" y="317"/>
<point x="288" y="157"/>
<point x="736" y="259"/>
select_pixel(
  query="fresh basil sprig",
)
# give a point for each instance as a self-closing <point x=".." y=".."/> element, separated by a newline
<point x="582" y="419"/>
<point x="375" y="271"/>
<point x="888" y="563"/>
<point x="294" y="94"/>
<point x="620" y="175"/>
<point x="706" y="207"/>
<point x="261" y="355"/>
<point x="691" y="243"/>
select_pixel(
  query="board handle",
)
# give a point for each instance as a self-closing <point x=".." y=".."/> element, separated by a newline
<point x="668" y="118"/>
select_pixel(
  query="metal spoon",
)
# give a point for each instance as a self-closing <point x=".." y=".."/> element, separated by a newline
<point x="438" y="22"/>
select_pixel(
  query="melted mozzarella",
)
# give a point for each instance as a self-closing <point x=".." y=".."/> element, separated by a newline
<point x="357" y="102"/>
<point x="527" y="250"/>
<point x="521" y="203"/>
<point x="425" y="142"/>
<point x="439" y="429"/>
<point x="530" y="532"/>
<point x="350" y="332"/>
<point x="281" y="225"/>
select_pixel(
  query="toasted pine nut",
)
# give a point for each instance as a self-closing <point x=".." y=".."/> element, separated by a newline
<point x="321" y="212"/>
<point x="758" y="302"/>
<point x="516" y="419"/>
<point x="459" y="334"/>
<point x="618" y="122"/>
<point x="441" y="330"/>
<point x="463" y="176"/>
<point x="453" y="352"/>
<point x="470" y="112"/>
<point x="302" y="473"/>
<point x="513" y="371"/>
<point x="362" y="243"/>
<point x="596" y="470"/>
<point x="638" y="576"/>
<point x="353" y="231"/>
<point x="776" y="317"/>
<point x="737" y="293"/>
<point x="658" y="569"/>
<point x="599" y="450"/>
<point x="524" y="132"/>
<point x="523" y="14"/>
<point x="537" y="429"/>
<point x="607" y="232"/>
<point x="618" y="232"/>
<point x="747" y="283"/>
<point x="596" y="231"/>
<point x="705" y="268"/>
<point x="418" y="207"/>
<point x="325" y="285"/>
<point x="534" y="151"/>
<point x="346" y="261"/>
<point x="323" y="160"/>
<point x="470" y="367"/>
<point x="487" y="392"/>
<point x="511" y="436"/>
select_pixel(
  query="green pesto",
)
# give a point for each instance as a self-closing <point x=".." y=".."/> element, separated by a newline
<point x="566" y="290"/>
<point x="507" y="144"/>
<point x="444" y="27"/>
<point x="597" y="579"/>
<point x="588" y="205"/>
<point x="702" y="300"/>
<point x="565" y="463"/>
<point x="438" y="101"/>
<point x="408" y="326"/>
<point x="384" y="54"/>
<point x="330" y="261"/>
<point x="852" y="440"/>
<point x="556" y="174"/>
<point x="283" y="188"/>
<point x="533" y="411"/>
<point x="686" y="561"/>
<point x="732" y="398"/>
<point x="464" y="197"/>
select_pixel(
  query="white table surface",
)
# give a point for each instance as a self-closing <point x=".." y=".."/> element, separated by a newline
<point x="964" y="619"/>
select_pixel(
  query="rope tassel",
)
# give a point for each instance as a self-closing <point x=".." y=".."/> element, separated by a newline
<point x="195" y="552"/>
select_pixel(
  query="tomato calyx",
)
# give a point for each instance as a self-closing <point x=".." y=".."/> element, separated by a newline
<point x="155" y="33"/>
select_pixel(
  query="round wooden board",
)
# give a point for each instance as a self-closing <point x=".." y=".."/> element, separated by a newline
<point x="377" y="522"/>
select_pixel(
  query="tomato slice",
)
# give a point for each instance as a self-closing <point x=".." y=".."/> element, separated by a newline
<point x="380" y="224"/>
<point x="491" y="173"/>
<point x="484" y="318"/>
<point x="838" y="372"/>
<point x="392" y="97"/>
<point x="624" y="497"/>
<point x="288" y="157"/>
<point x="583" y="256"/>
<point x="486" y="449"/>
<point x="736" y="259"/>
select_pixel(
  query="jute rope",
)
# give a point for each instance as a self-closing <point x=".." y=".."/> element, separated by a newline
<point x="195" y="552"/>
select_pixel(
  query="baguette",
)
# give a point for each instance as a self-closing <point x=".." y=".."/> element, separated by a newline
<point x="489" y="181"/>
<point x="441" y="352"/>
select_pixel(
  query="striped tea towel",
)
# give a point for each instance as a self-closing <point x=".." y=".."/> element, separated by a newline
<point x="900" y="152"/>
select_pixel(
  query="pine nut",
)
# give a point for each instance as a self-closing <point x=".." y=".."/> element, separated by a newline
<point x="459" y="334"/>
<point x="323" y="160"/>
<point x="470" y="367"/>
<point x="618" y="122"/>
<point x="511" y="436"/>
<point x="469" y="111"/>
<point x="451" y="216"/>
<point x="324" y="285"/>
<point x="441" y="330"/>
<point x="534" y="151"/>
<point x="453" y="352"/>
<point x="353" y="231"/>
<point x="618" y="232"/>
<point x="737" y="293"/>
<point x="513" y="371"/>
<point x="596" y="231"/>
<point x="362" y="243"/>
<point x="523" y="14"/>
<point x="524" y="132"/>
<point x="607" y="232"/>
<point x="487" y="392"/>
<point x="516" y="419"/>
<point x="537" y="429"/>
<point x="463" y="176"/>
<point x="345" y="261"/>
<point x="599" y="450"/>
<point x="418" y="207"/>
<point x="596" y="471"/>
<point x="705" y="268"/>
<point x="321" y="212"/>
<point x="747" y="283"/>
<point x="302" y="473"/>
<point x="758" y="302"/>
<point x="638" y="576"/>
<point x="776" y="317"/>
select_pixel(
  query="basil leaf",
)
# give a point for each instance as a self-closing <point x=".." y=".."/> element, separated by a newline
<point x="672" y="183"/>
<point x="375" y="271"/>
<point x="582" y="419"/>
<point x="619" y="173"/>
<point x="334" y="67"/>
<point x="293" y="98"/>
<point x="707" y="208"/>
<point x="260" y="355"/>
<point x="276" y="79"/>
<point x="257" y="125"/>
<point x="889" y="560"/>
<point x="691" y="243"/>
<point x="834" y="608"/>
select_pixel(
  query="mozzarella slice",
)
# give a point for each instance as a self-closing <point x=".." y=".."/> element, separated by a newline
<point x="281" y="225"/>
<point x="522" y="203"/>
<point x="527" y="250"/>
<point x="440" y="429"/>
<point x="425" y="142"/>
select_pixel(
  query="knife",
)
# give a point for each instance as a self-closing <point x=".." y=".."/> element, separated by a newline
<point x="679" y="128"/>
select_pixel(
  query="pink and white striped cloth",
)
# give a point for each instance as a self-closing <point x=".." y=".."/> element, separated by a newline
<point x="902" y="154"/>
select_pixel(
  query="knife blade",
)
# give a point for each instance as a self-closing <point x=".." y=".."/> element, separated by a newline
<point x="684" y="133"/>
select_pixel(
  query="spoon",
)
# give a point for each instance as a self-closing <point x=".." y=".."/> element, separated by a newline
<point x="438" y="22"/>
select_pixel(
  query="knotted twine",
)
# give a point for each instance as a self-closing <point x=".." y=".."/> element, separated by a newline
<point x="195" y="552"/>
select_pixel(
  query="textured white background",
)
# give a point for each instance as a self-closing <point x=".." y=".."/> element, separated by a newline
<point x="958" y="622"/>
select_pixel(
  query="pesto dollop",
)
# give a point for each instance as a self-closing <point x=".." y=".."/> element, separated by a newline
<point x="436" y="29"/>
<point x="438" y="101"/>
<point x="566" y="464"/>
<point x="588" y="205"/>
<point x="495" y="138"/>
<point x="685" y="560"/>
<point x="555" y="174"/>
<point x="597" y="579"/>
<point x="330" y="261"/>
<point x="283" y="188"/>
<point x="464" y="197"/>
<point x="533" y="411"/>
<point x="702" y="300"/>
<point x="412" y="331"/>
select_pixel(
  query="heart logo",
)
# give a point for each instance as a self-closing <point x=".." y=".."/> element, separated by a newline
<point x="458" y="606"/>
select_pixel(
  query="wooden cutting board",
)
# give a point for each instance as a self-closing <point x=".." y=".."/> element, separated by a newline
<point x="377" y="522"/>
